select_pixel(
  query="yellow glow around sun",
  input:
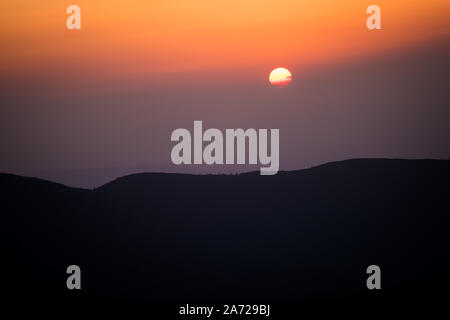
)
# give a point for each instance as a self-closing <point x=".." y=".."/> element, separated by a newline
<point x="280" y="77"/>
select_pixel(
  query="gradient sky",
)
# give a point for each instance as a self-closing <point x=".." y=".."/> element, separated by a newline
<point x="84" y="106"/>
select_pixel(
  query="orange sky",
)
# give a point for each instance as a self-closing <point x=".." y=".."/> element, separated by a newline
<point x="147" y="38"/>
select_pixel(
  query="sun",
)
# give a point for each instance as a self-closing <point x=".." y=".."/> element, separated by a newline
<point x="280" y="77"/>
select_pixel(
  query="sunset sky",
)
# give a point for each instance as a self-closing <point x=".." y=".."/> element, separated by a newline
<point x="147" y="38"/>
<point x="107" y="96"/>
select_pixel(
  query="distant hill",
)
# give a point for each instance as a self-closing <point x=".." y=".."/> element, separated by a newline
<point x="307" y="234"/>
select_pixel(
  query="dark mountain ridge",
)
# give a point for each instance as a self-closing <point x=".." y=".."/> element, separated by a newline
<point x="306" y="234"/>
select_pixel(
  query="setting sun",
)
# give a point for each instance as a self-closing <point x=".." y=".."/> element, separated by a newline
<point x="280" y="77"/>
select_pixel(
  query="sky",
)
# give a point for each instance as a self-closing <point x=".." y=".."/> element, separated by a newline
<point x="82" y="107"/>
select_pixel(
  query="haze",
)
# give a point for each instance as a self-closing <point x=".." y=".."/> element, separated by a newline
<point x="84" y="107"/>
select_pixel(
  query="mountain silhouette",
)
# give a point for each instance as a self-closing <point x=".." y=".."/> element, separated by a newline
<point x="306" y="234"/>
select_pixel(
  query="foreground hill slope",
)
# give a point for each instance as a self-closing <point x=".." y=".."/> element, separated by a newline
<point x="299" y="234"/>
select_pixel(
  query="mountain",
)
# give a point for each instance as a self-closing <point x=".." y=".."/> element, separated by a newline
<point x="307" y="234"/>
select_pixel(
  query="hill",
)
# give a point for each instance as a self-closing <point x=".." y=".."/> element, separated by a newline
<point x="307" y="234"/>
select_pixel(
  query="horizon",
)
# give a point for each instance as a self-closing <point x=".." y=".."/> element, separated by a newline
<point x="109" y="180"/>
